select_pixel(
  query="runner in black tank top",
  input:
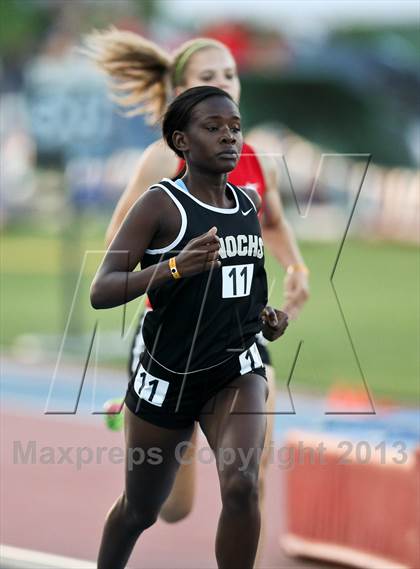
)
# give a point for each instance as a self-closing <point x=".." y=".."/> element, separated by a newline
<point x="202" y="264"/>
<point x="190" y="356"/>
<point x="221" y="308"/>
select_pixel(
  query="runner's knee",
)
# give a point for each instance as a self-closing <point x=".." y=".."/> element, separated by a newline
<point x="240" y="490"/>
<point x="138" y="516"/>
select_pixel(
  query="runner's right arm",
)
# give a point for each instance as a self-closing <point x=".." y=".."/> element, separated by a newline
<point x="150" y="219"/>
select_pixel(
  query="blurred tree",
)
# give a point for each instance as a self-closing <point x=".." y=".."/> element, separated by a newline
<point x="371" y="36"/>
<point x="148" y="10"/>
<point x="22" y="26"/>
<point x="330" y="114"/>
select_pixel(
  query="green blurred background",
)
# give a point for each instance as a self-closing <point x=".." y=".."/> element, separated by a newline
<point x="376" y="282"/>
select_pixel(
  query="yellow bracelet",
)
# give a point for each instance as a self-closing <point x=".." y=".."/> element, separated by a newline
<point x="297" y="268"/>
<point x="173" y="269"/>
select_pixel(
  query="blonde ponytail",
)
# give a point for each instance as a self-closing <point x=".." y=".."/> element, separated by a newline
<point x="142" y="74"/>
<point x="139" y="70"/>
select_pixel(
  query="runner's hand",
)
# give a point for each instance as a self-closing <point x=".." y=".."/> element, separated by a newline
<point x="200" y="254"/>
<point x="274" y="322"/>
<point x="296" y="293"/>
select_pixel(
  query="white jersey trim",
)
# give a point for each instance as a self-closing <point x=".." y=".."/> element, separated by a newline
<point x="247" y="196"/>
<point x="184" y="373"/>
<point x="183" y="229"/>
<point x="207" y="206"/>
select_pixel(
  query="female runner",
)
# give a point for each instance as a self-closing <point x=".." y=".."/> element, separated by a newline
<point x="202" y="265"/>
<point x="149" y="77"/>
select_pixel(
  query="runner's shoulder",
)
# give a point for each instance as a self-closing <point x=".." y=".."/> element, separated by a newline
<point x="253" y="196"/>
<point x="160" y="154"/>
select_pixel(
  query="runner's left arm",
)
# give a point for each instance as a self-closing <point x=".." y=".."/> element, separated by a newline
<point x="281" y="242"/>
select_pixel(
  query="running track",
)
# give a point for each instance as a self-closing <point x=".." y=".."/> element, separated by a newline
<point x="59" y="508"/>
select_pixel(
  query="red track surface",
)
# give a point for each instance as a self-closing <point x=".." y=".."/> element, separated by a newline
<point x="59" y="509"/>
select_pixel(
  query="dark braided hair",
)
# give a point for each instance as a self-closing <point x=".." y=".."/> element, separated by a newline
<point x="178" y="114"/>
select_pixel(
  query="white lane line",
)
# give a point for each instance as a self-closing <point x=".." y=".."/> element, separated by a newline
<point x="27" y="559"/>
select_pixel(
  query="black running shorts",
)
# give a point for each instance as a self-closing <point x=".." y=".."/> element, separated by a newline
<point x="173" y="400"/>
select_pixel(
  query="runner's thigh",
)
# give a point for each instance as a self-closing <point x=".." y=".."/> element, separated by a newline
<point x="152" y="460"/>
<point x="236" y="418"/>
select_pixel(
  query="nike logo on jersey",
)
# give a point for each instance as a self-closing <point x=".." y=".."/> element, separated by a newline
<point x="246" y="212"/>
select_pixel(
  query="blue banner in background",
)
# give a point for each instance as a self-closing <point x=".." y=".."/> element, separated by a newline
<point x="76" y="126"/>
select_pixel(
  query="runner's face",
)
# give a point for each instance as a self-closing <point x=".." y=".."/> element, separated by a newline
<point x="212" y="66"/>
<point x="212" y="141"/>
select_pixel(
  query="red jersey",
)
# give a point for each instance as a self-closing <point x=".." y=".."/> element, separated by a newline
<point x="248" y="171"/>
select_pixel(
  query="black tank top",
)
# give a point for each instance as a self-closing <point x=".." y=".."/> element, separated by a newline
<point x="201" y="321"/>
